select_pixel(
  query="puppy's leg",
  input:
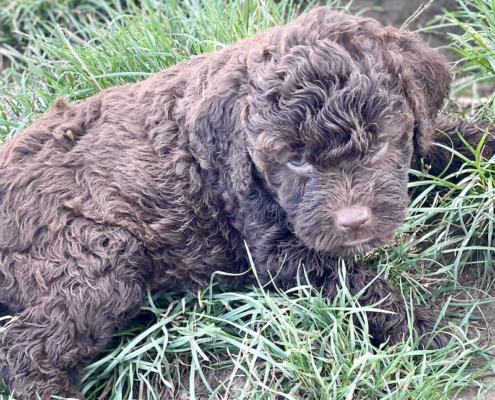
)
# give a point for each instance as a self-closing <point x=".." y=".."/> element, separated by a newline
<point x="385" y="326"/>
<point x="438" y="158"/>
<point x="78" y="303"/>
<point x="325" y="272"/>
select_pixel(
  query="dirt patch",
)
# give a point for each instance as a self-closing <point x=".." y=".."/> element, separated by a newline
<point x="485" y="325"/>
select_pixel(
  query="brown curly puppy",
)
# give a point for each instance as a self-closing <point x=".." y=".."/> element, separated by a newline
<point x="297" y="141"/>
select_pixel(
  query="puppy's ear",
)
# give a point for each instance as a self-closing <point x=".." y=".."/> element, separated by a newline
<point x="216" y="129"/>
<point x="425" y="77"/>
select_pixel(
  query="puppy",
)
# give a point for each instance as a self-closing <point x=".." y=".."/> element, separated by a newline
<point x="297" y="141"/>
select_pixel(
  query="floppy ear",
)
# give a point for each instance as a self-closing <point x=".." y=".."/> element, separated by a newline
<point x="425" y="79"/>
<point x="215" y="124"/>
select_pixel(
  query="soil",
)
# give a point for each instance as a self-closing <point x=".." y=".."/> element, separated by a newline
<point x="485" y="325"/>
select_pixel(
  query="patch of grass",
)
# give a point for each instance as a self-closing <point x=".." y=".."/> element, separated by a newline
<point x="19" y="17"/>
<point x="265" y="345"/>
<point x="477" y="46"/>
<point x="277" y="345"/>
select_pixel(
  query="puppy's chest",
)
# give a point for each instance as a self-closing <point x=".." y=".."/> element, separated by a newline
<point x="191" y="241"/>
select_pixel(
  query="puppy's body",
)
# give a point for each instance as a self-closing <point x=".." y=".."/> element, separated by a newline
<point x="279" y="141"/>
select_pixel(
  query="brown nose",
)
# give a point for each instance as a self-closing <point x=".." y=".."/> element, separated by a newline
<point x="352" y="218"/>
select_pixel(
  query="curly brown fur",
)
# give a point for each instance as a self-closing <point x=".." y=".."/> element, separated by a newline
<point x="280" y="141"/>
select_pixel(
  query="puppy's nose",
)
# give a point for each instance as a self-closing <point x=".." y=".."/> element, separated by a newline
<point x="352" y="218"/>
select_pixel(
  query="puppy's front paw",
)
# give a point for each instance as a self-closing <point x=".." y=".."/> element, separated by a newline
<point x="427" y="332"/>
<point x="431" y="332"/>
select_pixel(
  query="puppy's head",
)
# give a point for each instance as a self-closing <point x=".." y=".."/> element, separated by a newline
<point x="337" y="108"/>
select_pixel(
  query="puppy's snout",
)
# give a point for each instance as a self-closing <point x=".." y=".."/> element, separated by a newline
<point x="352" y="218"/>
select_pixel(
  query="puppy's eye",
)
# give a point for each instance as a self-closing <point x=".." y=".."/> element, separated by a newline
<point x="379" y="146"/>
<point x="298" y="162"/>
<point x="300" y="166"/>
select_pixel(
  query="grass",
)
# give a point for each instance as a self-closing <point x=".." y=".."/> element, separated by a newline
<point x="259" y="344"/>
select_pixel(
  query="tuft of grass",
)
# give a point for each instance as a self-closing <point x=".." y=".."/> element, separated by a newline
<point x="31" y="17"/>
<point x="249" y="342"/>
<point x="476" y="69"/>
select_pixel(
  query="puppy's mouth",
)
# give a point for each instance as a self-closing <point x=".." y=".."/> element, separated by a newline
<point x="358" y="242"/>
<point x="351" y="248"/>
